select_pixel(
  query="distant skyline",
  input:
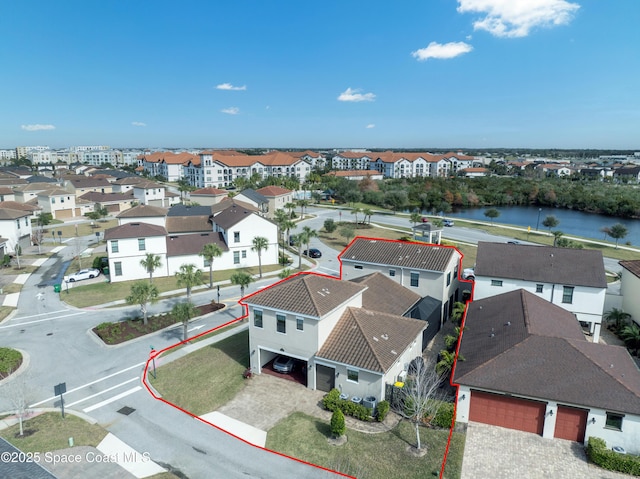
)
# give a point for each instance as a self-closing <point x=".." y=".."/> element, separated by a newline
<point x="444" y="73"/>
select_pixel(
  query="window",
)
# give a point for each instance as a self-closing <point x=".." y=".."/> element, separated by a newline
<point x="415" y="279"/>
<point x="448" y="278"/>
<point x="392" y="272"/>
<point x="358" y="266"/>
<point x="539" y="288"/>
<point x="567" y="294"/>
<point x="300" y="324"/>
<point x="114" y="246"/>
<point x="352" y="375"/>
<point x="236" y="237"/>
<point x="496" y="282"/>
<point x="18" y="223"/>
<point x="236" y="257"/>
<point x="53" y="201"/>
<point x="257" y="318"/>
<point x="281" y="323"/>
<point x="614" y="421"/>
<point x="117" y="267"/>
<point x="244" y="253"/>
<point x="141" y="245"/>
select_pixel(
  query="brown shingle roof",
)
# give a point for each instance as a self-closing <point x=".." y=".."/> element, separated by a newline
<point x="9" y="214"/>
<point x="520" y="344"/>
<point x="633" y="266"/>
<point x="209" y="192"/>
<point x="273" y="191"/>
<point x="134" y="230"/>
<point x="15" y="205"/>
<point x="308" y="294"/>
<point x="188" y="224"/>
<point x="385" y="295"/>
<point x="142" y="211"/>
<point x="232" y="215"/>
<point x="546" y="264"/>
<point x="398" y="253"/>
<point x="179" y="245"/>
<point x="98" y="197"/>
<point x="370" y="340"/>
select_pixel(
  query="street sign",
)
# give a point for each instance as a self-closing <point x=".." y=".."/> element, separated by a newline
<point x="59" y="390"/>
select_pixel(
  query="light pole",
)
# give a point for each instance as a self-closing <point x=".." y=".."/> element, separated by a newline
<point x="538" y="222"/>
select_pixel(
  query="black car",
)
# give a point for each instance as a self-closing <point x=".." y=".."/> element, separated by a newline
<point x="312" y="253"/>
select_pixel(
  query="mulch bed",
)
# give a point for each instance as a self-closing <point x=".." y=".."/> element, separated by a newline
<point x="121" y="331"/>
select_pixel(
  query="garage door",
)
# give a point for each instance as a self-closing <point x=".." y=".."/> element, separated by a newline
<point x="506" y="411"/>
<point x="571" y="423"/>
<point x="325" y="378"/>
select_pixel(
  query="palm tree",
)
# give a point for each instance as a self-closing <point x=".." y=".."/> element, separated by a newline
<point x="631" y="337"/>
<point x="356" y="211"/>
<point x="616" y="316"/>
<point x="209" y="252"/>
<point x="143" y="293"/>
<point x="285" y="273"/>
<point x="290" y="206"/>
<point x="280" y="217"/>
<point x="557" y="234"/>
<point x="306" y="235"/>
<point x="189" y="276"/>
<point x="617" y="232"/>
<point x="184" y="187"/>
<point x="302" y="204"/>
<point x="150" y="263"/>
<point x="457" y="312"/>
<point x="367" y="212"/>
<point x="415" y="218"/>
<point x="184" y="312"/>
<point x="260" y="243"/>
<point x="242" y="279"/>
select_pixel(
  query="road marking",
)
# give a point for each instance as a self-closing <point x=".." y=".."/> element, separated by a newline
<point x="41" y="314"/>
<point x="40" y="320"/>
<point x="102" y="392"/>
<point x="196" y="328"/>
<point x="91" y="383"/>
<point x="113" y="399"/>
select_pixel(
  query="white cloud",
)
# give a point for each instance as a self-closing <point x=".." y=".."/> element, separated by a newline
<point x="232" y="110"/>
<point x="138" y="123"/>
<point x="442" y="50"/>
<point x="354" y="95"/>
<point x="37" y="127"/>
<point x="370" y="125"/>
<point x="516" y="18"/>
<point x="229" y="86"/>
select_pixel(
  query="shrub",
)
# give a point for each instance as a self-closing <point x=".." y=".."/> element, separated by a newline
<point x="330" y="401"/>
<point x="444" y="416"/>
<point x="338" y="426"/>
<point x="607" y="459"/>
<point x="330" y="225"/>
<point x="383" y="410"/>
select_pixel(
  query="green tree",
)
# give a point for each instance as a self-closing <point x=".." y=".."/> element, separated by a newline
<point x="183" y="312"/>
<point x="557" y="234"/>
<point x="302" y="204"/>
<point x="367" y="212"/>
<point x="550" y="222"/>
<point x="356" y="212"/>
<point x="492" y="214"/>
<point x="44" y="219"/>
<point x="242" y="279"/>
<point x="290" y="206"/>
<point x="330" y="225"/>
<point x="93" y="215"/>
<point x="352" y="196"/>
<point x="260" y="243"/>
<point x="285" y="273"/>
<point x="143" y="293"/>
<point x="209" y="252"/>
<point x="617" y="232"/>
<point x="617" y="317"/>
<point x="457" y="312"/>
<point x="338" y="426"/>
<point x="189" y="276"/>
<point x="630" y="334"/>
<point x="102" y="212"/>
<point x="150" y="263"/>
<point x="280" y="218"/>
<point x="415" y="218"/>
<point x="184" y="187"/>
<point x="347" y="232"/>
<point x="306" y="235"/>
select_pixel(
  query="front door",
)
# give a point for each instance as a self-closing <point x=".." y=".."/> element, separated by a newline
<point x="325" y="378"/>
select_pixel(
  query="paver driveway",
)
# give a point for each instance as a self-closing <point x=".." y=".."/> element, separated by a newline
<point x="499" y="453"/>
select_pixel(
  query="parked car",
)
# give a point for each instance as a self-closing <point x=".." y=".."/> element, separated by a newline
<point x="83" y="274"/>
<point x="312" y="253"/>
<point x="425" y="219"/>
<point x="469" y="273"/>
<point x="283" y="364"/>
<point x="448" y="222"/>
<point x="513" y="242"/>
<point x="292" y="240"/>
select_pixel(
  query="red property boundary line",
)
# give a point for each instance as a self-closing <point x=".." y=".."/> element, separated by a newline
<point x="156" y="354"/>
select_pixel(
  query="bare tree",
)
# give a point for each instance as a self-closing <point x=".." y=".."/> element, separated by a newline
<point x="38" y="238"/>
<point x="421" y="396"/>
<point x="78" y="248"/>
<point x="17" y="391"/>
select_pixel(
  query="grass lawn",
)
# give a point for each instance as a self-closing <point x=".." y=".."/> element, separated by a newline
<point x="82" y="296"/>
<point x="10" y="360"/>
<point x="69" y="231"/>
<point x="206" y="379"/>
<point x="370" y="456"/>
<point x="336" y="241"/>
<point x="5" y="311"/>
<point x="49" y="432"/>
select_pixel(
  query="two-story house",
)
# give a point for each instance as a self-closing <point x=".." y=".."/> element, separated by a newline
<point x="573" y="279"/>
<point x="276" y="197"/>
<point x="428" y="270"/>
<point x="629" y="288"/>
<point x="319" y="321"/>
<point x="15" y="228"/>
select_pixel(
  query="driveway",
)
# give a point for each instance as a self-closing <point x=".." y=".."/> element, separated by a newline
<point x="500" y="453"/>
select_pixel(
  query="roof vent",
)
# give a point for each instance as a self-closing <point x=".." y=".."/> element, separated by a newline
<point x="385" y="336"/>
<point x="508" y="323"/>
<point x="375" y="339"/>
<point x="393" y="352"/>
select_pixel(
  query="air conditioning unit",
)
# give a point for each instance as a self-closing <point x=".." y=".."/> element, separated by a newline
<point x="402" y="377"/>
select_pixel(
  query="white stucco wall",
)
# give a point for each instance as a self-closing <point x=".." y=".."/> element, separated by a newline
<point x="629" y="288"/>
<point x="130" y="256"/>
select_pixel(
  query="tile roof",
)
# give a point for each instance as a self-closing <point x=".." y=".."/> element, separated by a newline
<point x="633" y="266"/>
<point x="399" y="253"/>
<point x="385" y="295"/>
<point x="308" y="294"/>
<point x="169" y="157"/>
<point x="345" y="173"/>
<point x="142" y="211"/>
<point x="370" y="340"/>
<point x="546" y="264"/>
<point x="521" y="344"/>
<point x="98" y="197"/>
<point x="188" y="224"/>
<point x="273" y="191"/>
<point x="178" y="245"/>
<point x="9" y="214"/>
<point x="209" y="192"/>
<point x="134" y="230"/>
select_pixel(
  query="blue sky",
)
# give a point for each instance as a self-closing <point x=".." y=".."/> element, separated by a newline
<point x="370" y="74"/>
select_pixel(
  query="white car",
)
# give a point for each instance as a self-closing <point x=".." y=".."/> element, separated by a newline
<point x="83" y="274"/>
<point x="469" y="273"/>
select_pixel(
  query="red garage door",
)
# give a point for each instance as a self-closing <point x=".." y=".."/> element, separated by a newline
<point x="506" y="411"/>
<point x="571" y="423"/>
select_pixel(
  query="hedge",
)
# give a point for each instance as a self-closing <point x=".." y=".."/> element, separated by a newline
<point x="607" y="459"/>
<point x="332" y="401"/>
<point x="444" y="416"/>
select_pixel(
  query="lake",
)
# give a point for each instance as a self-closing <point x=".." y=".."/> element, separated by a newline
<point x="572" y="222"/>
